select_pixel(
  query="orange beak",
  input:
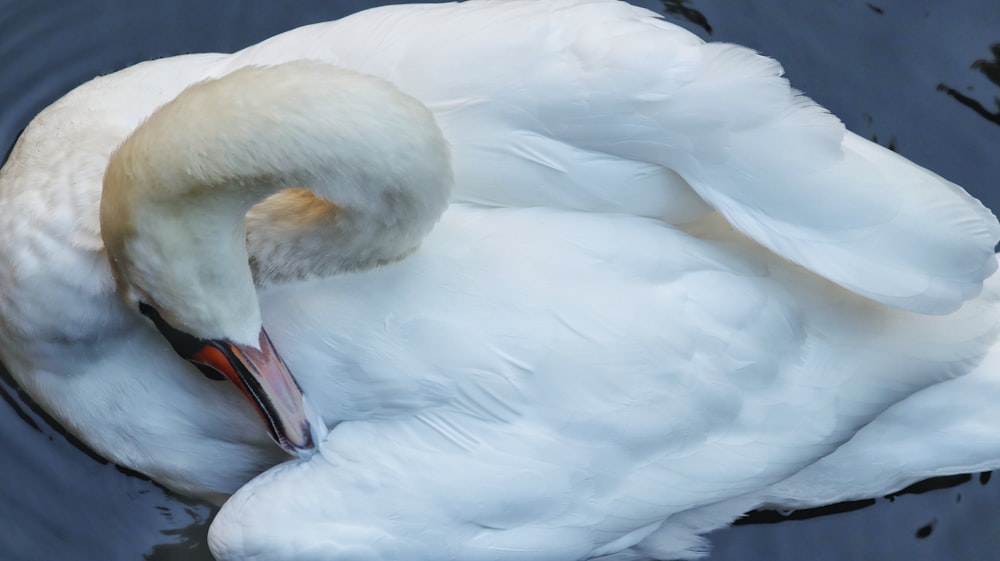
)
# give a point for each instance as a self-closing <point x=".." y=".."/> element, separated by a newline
<point x="259" y="373"/>
<point x="263" y="377"/>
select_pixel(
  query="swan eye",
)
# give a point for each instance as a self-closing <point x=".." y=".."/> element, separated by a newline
<point x="184" y="344"/>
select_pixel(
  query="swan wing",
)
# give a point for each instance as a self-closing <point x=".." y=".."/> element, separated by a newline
<point x="601" y="106"/>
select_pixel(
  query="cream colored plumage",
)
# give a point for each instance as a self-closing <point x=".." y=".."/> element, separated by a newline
<point x="583" y="358"/>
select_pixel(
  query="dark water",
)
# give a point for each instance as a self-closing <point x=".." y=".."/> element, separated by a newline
<point x="903" y="72"/>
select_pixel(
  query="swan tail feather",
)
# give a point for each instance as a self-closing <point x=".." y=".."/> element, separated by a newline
<point x="946" y="428"/>
<point x="784" y="171"/>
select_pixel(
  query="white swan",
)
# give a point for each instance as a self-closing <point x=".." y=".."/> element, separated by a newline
<point x="581" y="359"/>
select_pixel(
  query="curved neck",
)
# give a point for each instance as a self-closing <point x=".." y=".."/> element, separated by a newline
<point x="174" y="211"/>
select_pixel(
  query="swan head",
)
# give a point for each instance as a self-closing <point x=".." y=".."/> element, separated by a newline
<point x="205" y="306"/>
<point x="177" y="192"/>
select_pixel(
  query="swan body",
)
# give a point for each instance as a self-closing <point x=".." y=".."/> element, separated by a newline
<point x="667" y="288"/>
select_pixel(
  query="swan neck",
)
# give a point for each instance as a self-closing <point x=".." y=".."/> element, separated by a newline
<point x="370" y="169"/>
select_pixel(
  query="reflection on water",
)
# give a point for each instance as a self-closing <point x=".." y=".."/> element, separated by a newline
<point x="876" y="66"/>
<point x="681" y="9"/>
<point x="990" y="69"/>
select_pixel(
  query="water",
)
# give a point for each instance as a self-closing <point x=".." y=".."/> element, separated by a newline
<point x="885" y="67"/>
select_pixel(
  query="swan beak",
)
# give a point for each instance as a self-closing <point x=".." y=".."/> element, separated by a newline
<point x="262" y="376"/>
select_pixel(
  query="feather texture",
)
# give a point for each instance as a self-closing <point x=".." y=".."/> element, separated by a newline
<point x="668" y="289"/>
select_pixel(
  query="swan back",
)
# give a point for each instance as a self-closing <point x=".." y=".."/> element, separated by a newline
<point x="614" y="383"/>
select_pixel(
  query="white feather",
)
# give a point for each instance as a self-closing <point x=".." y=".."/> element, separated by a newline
<point x="668" y="289"/>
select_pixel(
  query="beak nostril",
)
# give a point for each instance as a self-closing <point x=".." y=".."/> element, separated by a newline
<point x="209" y="372"/>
